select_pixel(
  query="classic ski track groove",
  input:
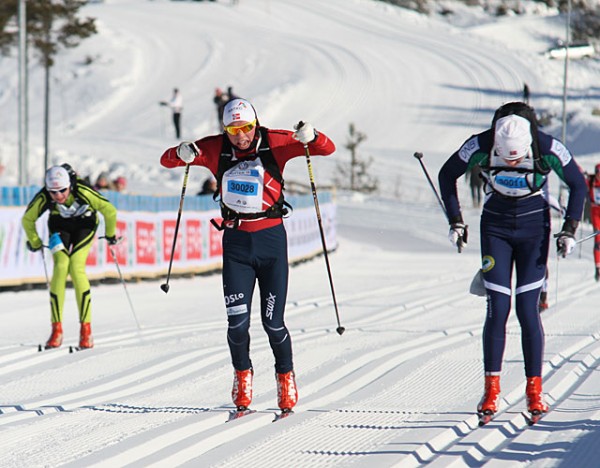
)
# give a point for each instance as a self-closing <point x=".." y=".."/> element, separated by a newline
<point x="178" y="366"/>
<point x="199" y="443"/>
<point x="509" y="421"/>
<point x="20" y="359"/>
<point x="455" y="434"/>
<point x="201" y="436"/>
<point x="75" y="399"/>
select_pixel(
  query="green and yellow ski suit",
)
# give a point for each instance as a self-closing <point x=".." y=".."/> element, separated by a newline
<point x="76" y="222"/>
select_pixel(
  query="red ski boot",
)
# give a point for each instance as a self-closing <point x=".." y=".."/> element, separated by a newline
<point x="535" y="398"/>
<point x="543" y="305"/>
<point x="241" y="393"/>
<point x="489" y="401"/>
<point x="287" y="393"/>
<point x="85" y="335"/>
<point x="56" y="338"/>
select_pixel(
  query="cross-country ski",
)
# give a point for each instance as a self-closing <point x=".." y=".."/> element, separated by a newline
<point x="485" y="417"/>
<point x="283" y="414"/>
<point x="74" y="349"/>
<point x="239" y="413"/>
<point x="533" y="417"/>
<point x="42" y="348"/>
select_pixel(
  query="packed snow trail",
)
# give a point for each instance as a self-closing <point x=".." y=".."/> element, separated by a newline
<point x="401" y="385"/>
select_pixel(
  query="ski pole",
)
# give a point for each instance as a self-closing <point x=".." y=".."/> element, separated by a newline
<point x="580" y="241"/>
<point x="419" y="156"/>
<point x="114" y="257"/>
<point x="313" y="187"/>
<point x="45" y="267"/>
<point x="593" y="234"/>
<point x="165" y="286"/>
<point x="556" y="284"/>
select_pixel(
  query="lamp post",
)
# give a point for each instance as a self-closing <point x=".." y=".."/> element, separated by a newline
<point x="567" y="44"/>
<point x="564" y="103"/>
<point x="23" y="117"/>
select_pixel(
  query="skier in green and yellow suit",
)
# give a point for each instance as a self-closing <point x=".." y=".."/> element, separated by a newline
<point x="72" y="224"/>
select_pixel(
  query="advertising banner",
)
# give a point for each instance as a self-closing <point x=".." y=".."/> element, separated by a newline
<point x="147" y="244"/>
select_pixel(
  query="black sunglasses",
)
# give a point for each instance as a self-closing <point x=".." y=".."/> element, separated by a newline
<point x="63" y="190"/>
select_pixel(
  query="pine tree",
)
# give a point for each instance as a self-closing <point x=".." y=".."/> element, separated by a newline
<point x="51" y="25"/>
<point x="355" y="176"/>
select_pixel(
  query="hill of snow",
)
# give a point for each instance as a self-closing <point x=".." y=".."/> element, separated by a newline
<point x="400" y="386"/>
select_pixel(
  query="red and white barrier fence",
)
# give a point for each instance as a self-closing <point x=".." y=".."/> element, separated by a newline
<point x="147" y="242"/>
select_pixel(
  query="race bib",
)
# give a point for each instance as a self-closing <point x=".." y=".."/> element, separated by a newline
<point x="243" y="185"/>
<point x="596" y="194"/>
<point x="512" y="184"/>
<point x="55" y="243"/>
<point x="515" y="181"/>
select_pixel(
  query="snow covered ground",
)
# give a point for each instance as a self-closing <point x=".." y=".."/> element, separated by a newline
<point x="400" y="386"/>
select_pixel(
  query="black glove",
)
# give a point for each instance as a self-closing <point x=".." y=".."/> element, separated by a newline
<point x="112" y="240"/>
<point x="31" y="248"/>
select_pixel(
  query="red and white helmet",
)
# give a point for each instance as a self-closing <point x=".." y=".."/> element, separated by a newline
<point x="57" y="178"/>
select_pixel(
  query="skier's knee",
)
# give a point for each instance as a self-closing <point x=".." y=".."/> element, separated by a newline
<point x="276" y="335"/>
<point x="237" y="331"/>
<point x="61" y="266"/>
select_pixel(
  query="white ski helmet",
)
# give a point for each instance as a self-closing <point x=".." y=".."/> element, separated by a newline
<point x="57" y="178"/>
<point x="238" y="110"/>
<point x="512" y="139"/>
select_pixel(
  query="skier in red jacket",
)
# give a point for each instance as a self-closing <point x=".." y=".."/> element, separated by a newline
<point x="247" y="161"/>
<point x="593" y="181"/>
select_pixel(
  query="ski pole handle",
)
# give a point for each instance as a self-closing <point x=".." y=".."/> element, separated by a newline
<point x="419" y="157"/>
<point x="119" y="239"/>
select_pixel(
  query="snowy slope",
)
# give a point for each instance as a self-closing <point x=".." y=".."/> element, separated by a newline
<point x="408" y="82"/>
<point x="400" y="386"/>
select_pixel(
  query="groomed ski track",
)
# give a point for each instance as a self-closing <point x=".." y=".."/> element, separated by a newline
<point x="399" y="388"/>
<point x="408" y="365"/>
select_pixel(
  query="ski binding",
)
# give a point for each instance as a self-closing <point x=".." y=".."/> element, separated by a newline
<point x="42" y="348"/>
<point x="240" y="412"/>
<point x="533" y="417"/>
<point x="485" y="417"/>
<point x="283" y="414"/>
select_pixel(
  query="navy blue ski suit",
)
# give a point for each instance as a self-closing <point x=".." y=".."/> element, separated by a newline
<point x="515" y="230"/>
